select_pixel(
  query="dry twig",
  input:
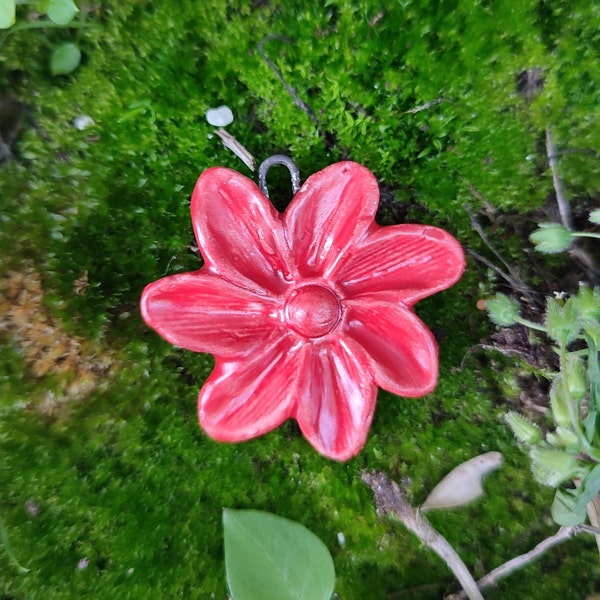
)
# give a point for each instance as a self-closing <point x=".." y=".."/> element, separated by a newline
<point x="289" y="89"/>
<point x="390" y="499"/>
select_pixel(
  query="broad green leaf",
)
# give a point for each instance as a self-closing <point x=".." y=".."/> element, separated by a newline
<point x="61" y="12"/>
<point x="551" y="238"/>
<point x="65" y="59"/>
<point x="564" y="510"/>
<point x="7" y="13"/>
<point x="268" y="557"/>
<point x="463" y="484"/>
<point x="590" y="486"/>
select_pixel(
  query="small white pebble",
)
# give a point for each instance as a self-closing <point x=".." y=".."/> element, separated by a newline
<point x="83" y="563"/>
<point x="341" y="538"/>
<point x="83" y="122"/>
<point x="220" y="116"/>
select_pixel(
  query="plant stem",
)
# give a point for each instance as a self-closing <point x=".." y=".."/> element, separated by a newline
<point x="586" y="234"/>
<point x="531" y="324"/>
<point x="8" y="548"/>
<point x="509" y="567"/>
<point x="390" y="499"/>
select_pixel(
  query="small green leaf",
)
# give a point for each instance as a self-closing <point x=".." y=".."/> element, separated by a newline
<point x="65" y="59"/>
<point x="271" y="558"/>
<point x="563" y="320"/>
<point x="590" y="486"/>
<point x="595" y="216"/>
<point x="61" y="12"/>
<point x="523" y="428"/>
<point x="7" y="13"/>
<point x="574" y="372"/>
<point x="564" y="510"/>
<point x="551" y="238"/>
<point x="552" y="467"/>
<point x="559" y="403"/>
<point x="564" y="438"/>
<point x="503" y="310"/>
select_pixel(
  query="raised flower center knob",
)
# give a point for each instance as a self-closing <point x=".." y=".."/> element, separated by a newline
<point x="312" y="310"/>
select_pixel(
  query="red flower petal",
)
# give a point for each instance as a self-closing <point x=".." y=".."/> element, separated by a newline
<point x="205" y="313"/>
<point x="244" y="398"/>
<point x="402" y="349"/>
<point x="331" y="212"/>
<point x="336" y="399"/>
<point x="239" y="232"/>
<point x="414" y="260"/>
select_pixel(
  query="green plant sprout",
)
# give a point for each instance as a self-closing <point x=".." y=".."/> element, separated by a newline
<point x="8" y="548"/>
<point x="66" y="57"/>
<point x="568" y="457"/>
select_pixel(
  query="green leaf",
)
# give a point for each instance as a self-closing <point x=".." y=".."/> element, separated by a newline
<point x="503" y="310"/>
<point x="271" y="558"/>
<point x="65" y="59"/>
<point x="551" y="238"/>
<point x="562" y="320"/>
<point x="552" y="467"/>
<point x="7" y="13"/>
<point x="574" y="370"/>
<point x="526" y="431"/>
<point x="590" y="486"/>
<point x="564" y="510"/>
<point x="595" y="216"/>
<point x="61" y="12"/>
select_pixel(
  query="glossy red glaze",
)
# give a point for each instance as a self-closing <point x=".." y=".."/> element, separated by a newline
<point x="306" y="312"/>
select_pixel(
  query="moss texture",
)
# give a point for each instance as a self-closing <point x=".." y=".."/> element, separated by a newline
<point x="111" y="468"/>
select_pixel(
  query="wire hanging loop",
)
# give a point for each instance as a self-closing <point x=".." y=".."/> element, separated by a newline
<point x="278" y="159"/>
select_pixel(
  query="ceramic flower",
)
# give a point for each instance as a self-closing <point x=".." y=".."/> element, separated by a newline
<point x="306" y="312"/>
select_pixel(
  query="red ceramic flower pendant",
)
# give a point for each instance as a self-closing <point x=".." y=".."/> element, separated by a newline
<point x="306" y="312"/>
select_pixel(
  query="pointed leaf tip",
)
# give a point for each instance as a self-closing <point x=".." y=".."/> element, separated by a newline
<point x="463" y="484"/>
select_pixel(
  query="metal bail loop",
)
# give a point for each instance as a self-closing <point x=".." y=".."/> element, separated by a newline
<point x="278" y="159"/>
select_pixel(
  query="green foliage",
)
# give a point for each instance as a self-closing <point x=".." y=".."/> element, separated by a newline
<point x="572" y="450"/>
<point x="59" y="11"/>
<point x="65" y="59"/>
<point x="7" y="13"/>
<point x="551" y="238"/>
<point x="503" y="310"/>
<point x="271" y="558"/>
<point x="123" y="476"/>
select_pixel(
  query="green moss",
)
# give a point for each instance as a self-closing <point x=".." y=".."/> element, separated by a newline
<point x="126" y="479"/>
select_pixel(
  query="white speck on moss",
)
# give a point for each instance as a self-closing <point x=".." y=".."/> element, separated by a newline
<point x="220" y="116"/>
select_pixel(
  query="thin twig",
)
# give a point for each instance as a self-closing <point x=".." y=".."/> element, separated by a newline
<point x="509" y="567"/>
<point x="425" y="106"/>
<point x="232" y="144"/>
<point x="515" y="284"/>
<point x="289" y="89"/>
<point x="564" y="208"/>
<point x="514" y="279"/>
<point x="390" y="499"/>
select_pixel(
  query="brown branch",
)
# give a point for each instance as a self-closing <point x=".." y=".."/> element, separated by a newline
<point x="390" y="499"/>
<point x="564" y="208"/>
<point x="509" y="567"/>
<point x="288" y="88"/>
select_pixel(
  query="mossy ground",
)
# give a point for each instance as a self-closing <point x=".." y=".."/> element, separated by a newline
<point x="113" y="468"/>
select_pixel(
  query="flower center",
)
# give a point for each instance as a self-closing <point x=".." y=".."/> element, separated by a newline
<point x="312" y="310"/>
